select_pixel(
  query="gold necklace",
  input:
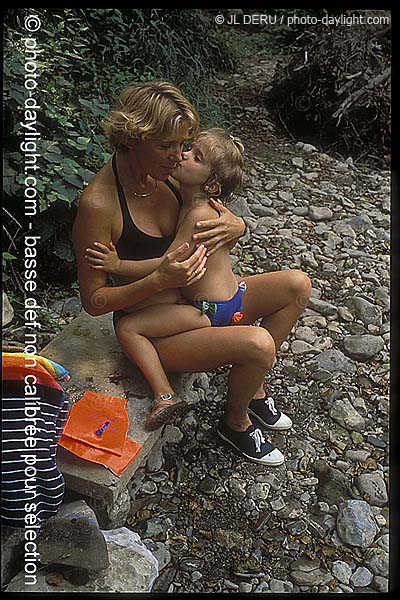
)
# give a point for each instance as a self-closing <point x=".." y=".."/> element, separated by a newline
<point x="149" y="194"/>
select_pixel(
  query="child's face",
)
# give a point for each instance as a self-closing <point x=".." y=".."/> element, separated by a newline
<point x="195" y="168"/>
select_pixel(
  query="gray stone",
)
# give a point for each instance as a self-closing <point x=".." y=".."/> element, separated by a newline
<point x="157" y="528"/>
<point x="133" y="568"/>
<point x="207" y="485"/>
<point x="383" y="542"/>
<point x="305" y="564"/>
<point x="263" y="211"/>
<point x="12" y="552"/>
<point x="69" y="306"/>
<point x="365" y="310"/>
<point x="372" y="488"/>
<point x="315" y="321"/>
<point x="160" y="551"/>
<point x="380" y="584"/>
<point x="345" y="314"/>
<point x="342" y="571"/>
<point x="245" y="588"/>
<point x="331" y="360"/>
<point x="320" y="213"/>
<point x="315" y="577"/>
<point x="357" y="455"/>
<point x="333" y="485"/>
<point x="279" y="586"/>
<point x="285" y="196"/>
<point x="237" y="488"/>
<point x="229" y="539"/>
<point x="7" y="311"/>
<point x="346" y="415"/>
<point x="115" y="514"/>
<point x="308" y="260"/>
<point x="362" y="347"/>
<point x="190" y="564"/>
<point x="240" y="207"/>
<point x="302" y="347"/>
<point x="379" y="563"/>
<point x="360" y="223"/>
<point x="297" y="161"/>
<point x="258" y="491"/>
<point x="321" y="306"/>
<point x="355" y="523"/>
<point x="306" y="334"/>
<point x="73" y="537"/>
<point x="361" y="577"/>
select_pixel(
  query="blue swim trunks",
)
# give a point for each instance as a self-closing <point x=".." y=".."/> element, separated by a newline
<point x="226" y="312"/>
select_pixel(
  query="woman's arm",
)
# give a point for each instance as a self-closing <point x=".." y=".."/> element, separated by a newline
<point x="93" y="223"/>
<point x="221" y="230"/>
<point x="188" y="226"/>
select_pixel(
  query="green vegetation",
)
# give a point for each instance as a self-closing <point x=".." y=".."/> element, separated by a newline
<point x="86" y="56"/>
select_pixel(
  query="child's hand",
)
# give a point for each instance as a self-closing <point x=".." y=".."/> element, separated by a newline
<point x="105" y="258"/>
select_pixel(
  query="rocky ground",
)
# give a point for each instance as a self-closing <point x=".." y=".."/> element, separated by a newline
<point x="320" y="522"/>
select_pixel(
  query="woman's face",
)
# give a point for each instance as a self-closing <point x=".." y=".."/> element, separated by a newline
<point x="195" y="168"/>
<point x="158" y="157"/>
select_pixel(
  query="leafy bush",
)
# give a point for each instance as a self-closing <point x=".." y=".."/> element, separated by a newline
<point x="87" y="56"/>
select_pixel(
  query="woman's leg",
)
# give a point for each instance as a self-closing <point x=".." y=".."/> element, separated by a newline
<point x="250" y="351"/>
<point x="278" y="299"/>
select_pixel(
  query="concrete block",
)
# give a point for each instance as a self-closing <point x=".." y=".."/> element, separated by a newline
<point x="89" y="350"/>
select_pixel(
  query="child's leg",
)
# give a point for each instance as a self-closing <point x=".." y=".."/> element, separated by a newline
<point x="157" y="321"/>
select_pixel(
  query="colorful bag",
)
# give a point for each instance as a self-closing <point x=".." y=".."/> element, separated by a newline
<point x="34" y="410"/>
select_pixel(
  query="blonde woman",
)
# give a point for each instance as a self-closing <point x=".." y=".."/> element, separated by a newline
<point x="132" y="203"/>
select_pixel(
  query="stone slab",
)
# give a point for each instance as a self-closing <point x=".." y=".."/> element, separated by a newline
<point x="88" y="349"/>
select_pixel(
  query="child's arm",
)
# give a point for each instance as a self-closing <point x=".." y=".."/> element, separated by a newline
<point x="105" y="258"/>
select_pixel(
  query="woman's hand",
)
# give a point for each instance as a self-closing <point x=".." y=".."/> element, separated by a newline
<point x="174" y="274"/>
<point x="221" y="230"/>
<point x="105" y="258"/>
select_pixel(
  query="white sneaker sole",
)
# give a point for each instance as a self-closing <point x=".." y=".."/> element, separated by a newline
<point x="274" y="458"/>
<point x="283" y="423"/>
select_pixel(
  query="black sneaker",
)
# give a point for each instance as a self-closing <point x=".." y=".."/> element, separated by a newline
<point x="266" y="413"/>
<point x="251" y="444"/>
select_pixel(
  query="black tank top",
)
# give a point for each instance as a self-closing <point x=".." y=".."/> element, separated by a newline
<point x="135" y="244"/>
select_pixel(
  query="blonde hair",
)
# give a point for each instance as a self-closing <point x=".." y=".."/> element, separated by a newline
<point x="150" y="110"/>
<point x="225" y="155"/>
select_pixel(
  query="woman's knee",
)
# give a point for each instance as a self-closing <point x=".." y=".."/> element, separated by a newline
<point x="260" y="347"/>
<point x="300" y="286"/>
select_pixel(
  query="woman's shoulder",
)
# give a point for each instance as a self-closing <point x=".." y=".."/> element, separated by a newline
<point x="100" y="193"/>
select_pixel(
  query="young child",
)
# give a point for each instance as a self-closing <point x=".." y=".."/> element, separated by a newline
<point x="213" y="167"/>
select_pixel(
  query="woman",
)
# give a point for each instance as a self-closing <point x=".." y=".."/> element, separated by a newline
<point x="131" y="203"/>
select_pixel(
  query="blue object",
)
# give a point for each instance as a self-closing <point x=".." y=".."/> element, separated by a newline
<point x="102" y="429"/>
<point x="220" y="313"/>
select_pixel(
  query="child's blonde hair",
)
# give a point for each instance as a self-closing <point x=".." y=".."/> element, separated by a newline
<point x="225" y="154"/>
<point x="149" y="110"/>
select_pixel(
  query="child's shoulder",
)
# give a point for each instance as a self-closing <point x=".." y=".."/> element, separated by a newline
<point x="200" y="210"/>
